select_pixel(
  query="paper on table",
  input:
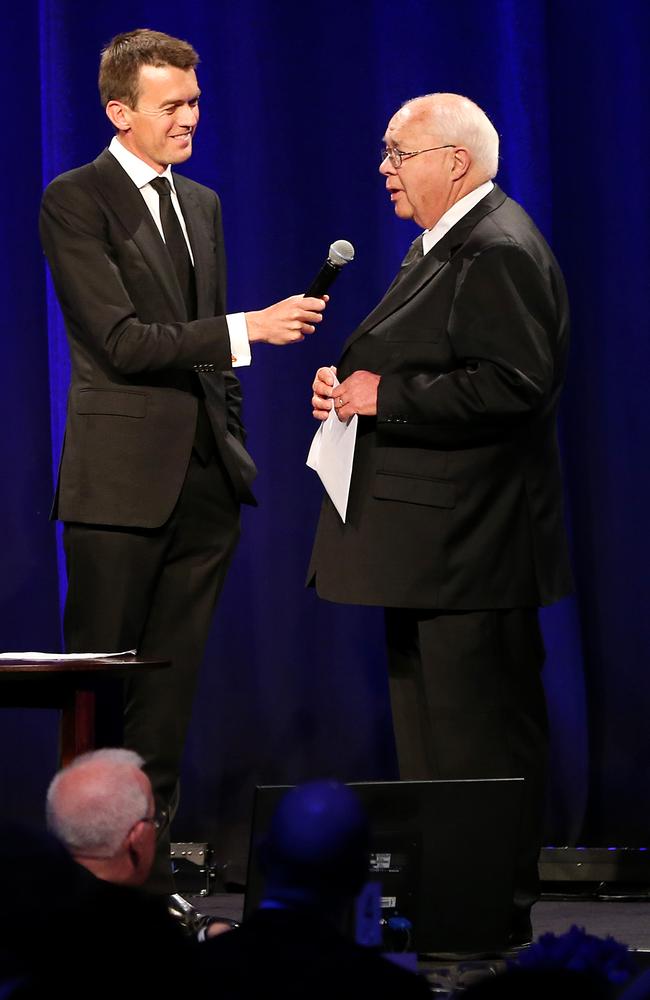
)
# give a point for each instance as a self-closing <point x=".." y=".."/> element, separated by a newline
<point x="50" y="657"/>
<point x="331" y="456"/>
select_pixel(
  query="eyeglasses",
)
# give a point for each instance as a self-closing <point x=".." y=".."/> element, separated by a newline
<point x="396" y="155"/>
<point x="156" y="820"/>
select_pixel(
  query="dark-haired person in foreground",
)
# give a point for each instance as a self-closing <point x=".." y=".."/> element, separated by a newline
<point x="454" y="522"/>
<point x="315" y="860"/>
<point x="154" y="466"/>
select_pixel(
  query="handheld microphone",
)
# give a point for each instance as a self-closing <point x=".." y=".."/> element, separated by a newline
<point x="340" y="253"/>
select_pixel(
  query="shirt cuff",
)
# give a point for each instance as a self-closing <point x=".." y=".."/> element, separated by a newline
<point x="240" y="347"/>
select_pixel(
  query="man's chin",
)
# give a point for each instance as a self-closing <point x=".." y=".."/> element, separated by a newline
<point x="403" y="211"/>
<point x="402" y="207"/>
<point x="180" y="153"/>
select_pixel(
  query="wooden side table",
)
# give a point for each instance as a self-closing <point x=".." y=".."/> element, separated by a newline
<point x="69" y="685"/>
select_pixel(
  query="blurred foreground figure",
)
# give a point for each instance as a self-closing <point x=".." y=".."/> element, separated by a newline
<point x="64" y="932"/>
<point x="569" y="966"/>
<point x="315" y="861"/>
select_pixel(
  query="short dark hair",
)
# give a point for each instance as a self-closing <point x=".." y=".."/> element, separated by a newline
<point x="119" y="67"/>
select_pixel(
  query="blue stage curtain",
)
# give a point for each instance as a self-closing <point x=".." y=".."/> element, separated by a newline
<point x="296" y="100"/>
<point x="29" y="614"/>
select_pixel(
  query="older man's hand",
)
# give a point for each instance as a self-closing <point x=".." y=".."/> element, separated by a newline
<point x="322" y="387"/>
<point x="357" y="394"/>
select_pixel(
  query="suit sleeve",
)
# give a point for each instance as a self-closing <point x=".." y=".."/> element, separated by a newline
<point x="503" y="334"/>
<point x="97" y="306"/>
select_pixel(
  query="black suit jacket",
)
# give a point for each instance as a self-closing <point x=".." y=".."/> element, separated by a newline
<point x="296" y="954"/>
<point x="132" y="406"/>
<point x="455" y="500"/>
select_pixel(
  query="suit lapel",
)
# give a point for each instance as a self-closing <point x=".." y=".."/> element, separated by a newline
<point x="128" y="205"/>
<point x="403" y="288"/>
<point x="406" y="286"/>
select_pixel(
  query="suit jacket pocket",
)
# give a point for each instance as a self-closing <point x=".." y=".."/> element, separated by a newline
<point x="112" y="402"/>
<point x="403" y="333"/>
<point x="414" y="489"/>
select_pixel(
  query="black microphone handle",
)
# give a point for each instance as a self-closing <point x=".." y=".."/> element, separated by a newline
<point x="323" y="280"/>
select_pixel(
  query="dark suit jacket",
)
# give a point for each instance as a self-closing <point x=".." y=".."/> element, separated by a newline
<point x="132" y="406"/>
<point x="294" y="954"/>
<point x="455" y="500"/>
<point x="94" y="938"/>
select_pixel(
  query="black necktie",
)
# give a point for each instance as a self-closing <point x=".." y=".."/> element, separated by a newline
<point x="176" y="244"/>
<point x="180" y="255"/>
<point x="413" y="255"/>
<point x="414" y="252"/>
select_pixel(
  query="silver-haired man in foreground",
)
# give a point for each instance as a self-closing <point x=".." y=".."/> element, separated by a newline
<point x="101" y="808"/>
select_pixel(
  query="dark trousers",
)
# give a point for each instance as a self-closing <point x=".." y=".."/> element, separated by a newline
<point x="468" y="702"/>
<point x="154" y="590"/>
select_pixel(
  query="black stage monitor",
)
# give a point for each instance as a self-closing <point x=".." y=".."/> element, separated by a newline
<point x="443" y="851"/>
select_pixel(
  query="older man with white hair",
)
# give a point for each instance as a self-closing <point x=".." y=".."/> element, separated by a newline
<point x="454" y="521"/>
<point x="101" y="807"/>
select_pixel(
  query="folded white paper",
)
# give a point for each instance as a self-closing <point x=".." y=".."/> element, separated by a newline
<point x="55" y="657"/>
<point x="331" y="456"/>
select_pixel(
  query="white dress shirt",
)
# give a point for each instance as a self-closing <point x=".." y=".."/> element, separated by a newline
<point x="141" y="174"/>
<point x="453" y="215"/>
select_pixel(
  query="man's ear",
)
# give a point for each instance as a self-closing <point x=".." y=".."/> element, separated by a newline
<point x="119" y="115"/>
<point x="133" y="843"/>
<point x="461" y="163"/>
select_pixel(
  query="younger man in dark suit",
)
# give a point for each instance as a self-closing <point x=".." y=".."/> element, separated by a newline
<point x="154" y="466"/>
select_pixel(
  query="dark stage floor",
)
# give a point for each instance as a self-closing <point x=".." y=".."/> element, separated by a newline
<point x="628" y="922"/>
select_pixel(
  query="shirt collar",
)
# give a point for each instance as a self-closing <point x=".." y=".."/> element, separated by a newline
<point x="454" y="214"/>
<point x="139" y="171"/>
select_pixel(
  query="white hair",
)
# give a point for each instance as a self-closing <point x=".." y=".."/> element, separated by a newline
<point x="93" y="814"/>
<point x="455" y="119"/>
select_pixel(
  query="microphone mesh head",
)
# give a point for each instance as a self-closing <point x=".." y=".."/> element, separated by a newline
<point x="341" y="252"/>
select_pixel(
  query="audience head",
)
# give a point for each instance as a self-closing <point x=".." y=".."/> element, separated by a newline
<point x="604" y="958"/>
<point x="540" y="984"/>
<point x="101" y="808"/>
<point x="570" y="966"/>
<point x="316" y="849"/>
